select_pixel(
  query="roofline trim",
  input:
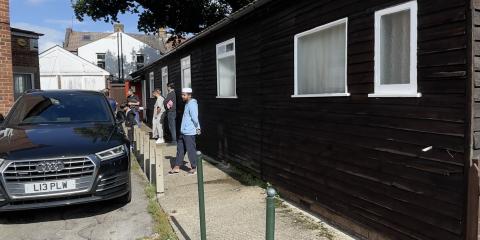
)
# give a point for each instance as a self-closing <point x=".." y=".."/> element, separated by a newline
<point x="216" y="26"/>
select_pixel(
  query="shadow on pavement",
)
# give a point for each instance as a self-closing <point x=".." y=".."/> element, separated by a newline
<point x="180" y="228"/>
<point x="59" y="213"/>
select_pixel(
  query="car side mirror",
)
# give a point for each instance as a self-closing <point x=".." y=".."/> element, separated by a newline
<point x="2" y="119"/>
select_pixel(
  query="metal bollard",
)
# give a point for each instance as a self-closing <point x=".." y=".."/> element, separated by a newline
<point x="201" y="196"/>
<point x="270" y="231"/>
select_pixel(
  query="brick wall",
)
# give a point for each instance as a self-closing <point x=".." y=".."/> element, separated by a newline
<point x="6" y="74"/>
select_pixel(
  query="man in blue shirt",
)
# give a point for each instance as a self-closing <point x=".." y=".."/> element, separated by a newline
<point x="190" y="127"/>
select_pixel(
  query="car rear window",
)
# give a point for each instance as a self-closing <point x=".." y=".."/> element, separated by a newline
<point x="59" y="108"/>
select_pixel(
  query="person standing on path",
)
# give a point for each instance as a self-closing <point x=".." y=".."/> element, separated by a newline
<point x="158" y="117"/>
<point x="170" y="104"/>
<point x="189" y="128"/>
<point x="133" y="104"/>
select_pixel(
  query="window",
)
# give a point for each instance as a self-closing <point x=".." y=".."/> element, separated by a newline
<point x="164" y="81"/>
<point x="151" y="79"/>
<point x="321" y="61"/>
<point x="22" y="82"/>
<point x="86" y="37"/>
<point x="396" y="51"/>
<point x="186" y="72"/>
<point x="140" y="61"/>
<point x="101" y="60"/>
<point x="33" y="44"/>
<point x="226" y="75"/>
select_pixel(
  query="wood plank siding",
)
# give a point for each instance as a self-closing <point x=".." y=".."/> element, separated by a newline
<point x="357" y="159"/>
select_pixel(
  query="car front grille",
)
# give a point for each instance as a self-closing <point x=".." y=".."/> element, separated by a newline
<point x="17" y="173"/>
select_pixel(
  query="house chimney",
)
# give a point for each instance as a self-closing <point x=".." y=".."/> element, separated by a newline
<point x="118" y="27"/>
<point x="162" y="34"/>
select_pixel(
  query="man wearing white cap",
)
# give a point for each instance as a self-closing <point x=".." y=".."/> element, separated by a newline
<point x="189" y="128"/>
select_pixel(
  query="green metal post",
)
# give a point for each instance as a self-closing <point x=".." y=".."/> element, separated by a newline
<point x="270" y="235"/>
<point x="201" y="196"/>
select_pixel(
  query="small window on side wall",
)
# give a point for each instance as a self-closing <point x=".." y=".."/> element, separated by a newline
<point x="321" y="61"/>
<point x="164" y="81"/>
<point x="226" y="69"/>
<point x="396" y="51"/>
<point x="186" y="73"/>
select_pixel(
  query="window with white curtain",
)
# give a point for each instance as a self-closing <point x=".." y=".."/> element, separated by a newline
<point x="186" y="72"/>
<point x="22" y="82"/>
<point x="396" y="51"/>
<point x="226" y="70"/>
<point x="164" y="81"/>
<point x="321" y="61"/>
<point x="151" y="83"/>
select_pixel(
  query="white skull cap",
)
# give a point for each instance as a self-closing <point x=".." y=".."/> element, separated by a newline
<point x="187" y="90"/>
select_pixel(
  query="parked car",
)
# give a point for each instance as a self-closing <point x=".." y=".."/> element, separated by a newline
<point x="61" y="148"/>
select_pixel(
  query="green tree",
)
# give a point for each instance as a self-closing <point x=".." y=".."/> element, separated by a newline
<point x="180" y="16"/>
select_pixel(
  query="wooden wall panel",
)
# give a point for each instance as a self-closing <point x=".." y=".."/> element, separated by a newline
<point x="358" y="157"/>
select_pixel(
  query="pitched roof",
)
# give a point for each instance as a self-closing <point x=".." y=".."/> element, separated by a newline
<point x="74" y="39"/>
<point x="225" y="22"/>
<point x="58" y="61"/>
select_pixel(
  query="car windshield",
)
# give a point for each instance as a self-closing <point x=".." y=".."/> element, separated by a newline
<point x="59" y="109"/>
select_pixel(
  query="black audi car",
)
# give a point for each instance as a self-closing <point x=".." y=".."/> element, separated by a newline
<point x="61" y="148"/>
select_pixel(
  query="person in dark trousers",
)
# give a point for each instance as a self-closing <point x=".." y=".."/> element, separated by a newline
<point x="129" y="117"/>
<point x="189" y="129"/>
<point x="171" y="106"/>
<point x="133" y="104"/>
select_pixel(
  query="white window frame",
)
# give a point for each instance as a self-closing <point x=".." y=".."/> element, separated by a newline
<point x="224" y="55"/>
<point x="151" y="83"/>
<point x="311" y="31"/>
<point x="397" y="90"/>
<point x="164" y="81"/>
<point x="33" y="44"/>
<point x="182" y="68"/>
<point x="144" y="96"/>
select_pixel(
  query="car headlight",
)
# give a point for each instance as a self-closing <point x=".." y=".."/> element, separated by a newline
<point x="112" y="153"/>
<point x="1" y="161"/>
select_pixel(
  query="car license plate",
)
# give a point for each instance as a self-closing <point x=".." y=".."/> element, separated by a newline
<point x="53" y="186"/>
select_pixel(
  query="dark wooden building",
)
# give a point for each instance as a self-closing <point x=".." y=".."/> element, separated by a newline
<point x="363" y="112"/>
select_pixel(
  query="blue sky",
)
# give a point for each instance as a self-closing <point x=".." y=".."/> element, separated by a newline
<point x="52" y="17"/>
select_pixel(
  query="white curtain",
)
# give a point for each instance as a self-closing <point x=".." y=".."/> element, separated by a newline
<point x="187" y="78"/>
<point x="321" y="61"/>
<point x="226" y="75"/>
<point x="395" y="48"/>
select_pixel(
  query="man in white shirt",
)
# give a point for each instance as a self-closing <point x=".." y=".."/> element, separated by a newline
<point x="158" y="117"/>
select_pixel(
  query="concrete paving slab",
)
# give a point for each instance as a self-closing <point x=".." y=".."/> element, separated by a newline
<point x="233" y="211"/>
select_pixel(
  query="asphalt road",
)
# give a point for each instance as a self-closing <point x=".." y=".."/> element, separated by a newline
<point x="99" y="221"/>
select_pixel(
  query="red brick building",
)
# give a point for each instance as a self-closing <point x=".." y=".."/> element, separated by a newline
<point x="6" y="72"/>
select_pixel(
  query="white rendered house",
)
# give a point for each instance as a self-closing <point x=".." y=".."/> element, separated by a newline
<point x="119" y="53"/>
<point x="61" y="69"/>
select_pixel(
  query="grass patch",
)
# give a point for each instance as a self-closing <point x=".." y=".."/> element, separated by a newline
<point x="162" y="228"/>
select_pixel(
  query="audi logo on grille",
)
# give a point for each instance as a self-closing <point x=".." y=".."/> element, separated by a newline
<point x="50" y="166"/>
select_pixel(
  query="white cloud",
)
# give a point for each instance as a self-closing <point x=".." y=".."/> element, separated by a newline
<point x="50" y="38"/>
<point x="64" y="22"/>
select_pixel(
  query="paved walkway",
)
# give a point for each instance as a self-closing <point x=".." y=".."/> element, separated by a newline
<point x="233" y="211"/>
<point x="98" y="221"/>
